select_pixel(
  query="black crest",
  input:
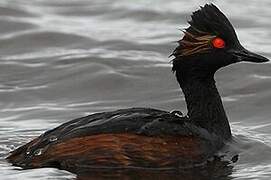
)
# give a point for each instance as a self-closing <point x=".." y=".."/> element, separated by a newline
<point x="211" y="20"/>
<point x="205" y="24"/>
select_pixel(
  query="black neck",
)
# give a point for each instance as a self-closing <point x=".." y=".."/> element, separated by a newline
<point x="204" y="104"/>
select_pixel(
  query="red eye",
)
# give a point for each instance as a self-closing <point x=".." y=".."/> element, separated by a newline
<point x="218" y="43"/>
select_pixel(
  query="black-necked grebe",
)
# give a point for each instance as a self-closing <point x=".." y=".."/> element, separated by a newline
<point x="150" y="138"/>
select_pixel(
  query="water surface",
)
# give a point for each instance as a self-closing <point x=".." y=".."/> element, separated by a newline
<point x="61" y="60"/>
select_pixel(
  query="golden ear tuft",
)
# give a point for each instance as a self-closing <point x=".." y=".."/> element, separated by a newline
<point x="192" y="44"/>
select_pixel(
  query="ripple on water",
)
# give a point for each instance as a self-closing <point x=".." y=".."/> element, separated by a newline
<point x="64" y="59"/>
<point x="37" y="41"/>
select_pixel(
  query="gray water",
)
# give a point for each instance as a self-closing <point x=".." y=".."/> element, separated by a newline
<point x="61" y="60"/>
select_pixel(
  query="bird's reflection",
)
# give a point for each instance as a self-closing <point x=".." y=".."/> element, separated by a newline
<point x="218" y="170"/>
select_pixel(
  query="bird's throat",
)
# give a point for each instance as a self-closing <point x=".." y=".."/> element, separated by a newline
<point x="204" y="105"/>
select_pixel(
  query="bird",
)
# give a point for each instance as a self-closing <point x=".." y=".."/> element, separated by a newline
<point x="147" y="137"/>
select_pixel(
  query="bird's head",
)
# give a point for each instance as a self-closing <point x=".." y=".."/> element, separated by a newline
<point x="210" y="42"/>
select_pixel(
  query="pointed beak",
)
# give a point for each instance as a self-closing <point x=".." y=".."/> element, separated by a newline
<point x="244" y="55"/>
